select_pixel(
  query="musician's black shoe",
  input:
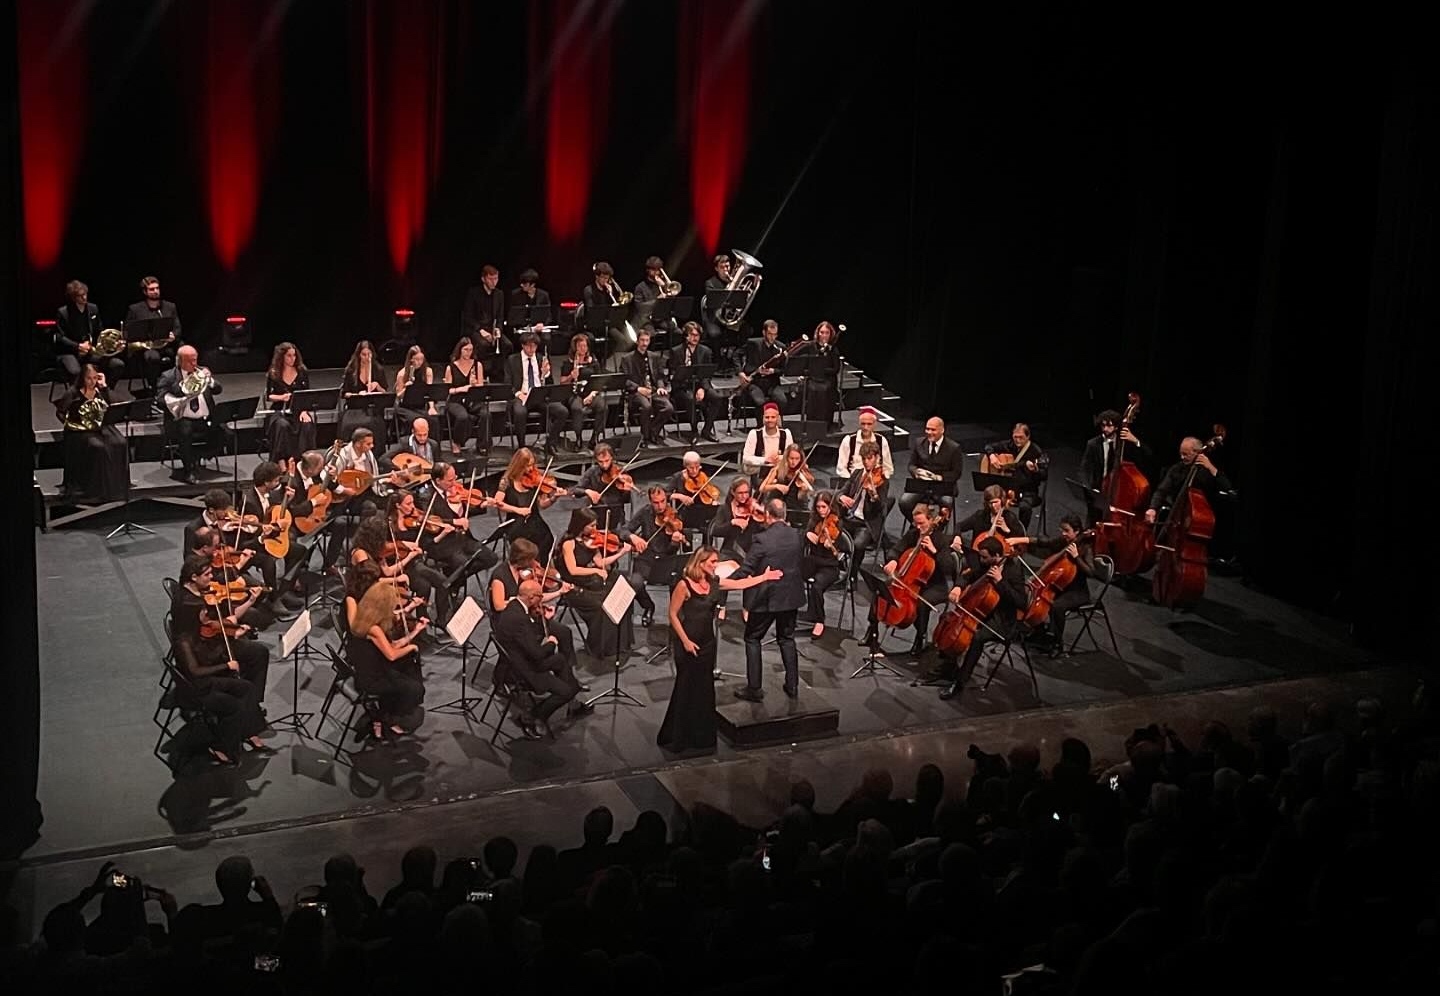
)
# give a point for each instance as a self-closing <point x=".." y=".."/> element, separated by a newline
<point x="951" y="690"/>
<point x="709" y="435"/>
<point x="527" y="728"/>
<point x="918" y="647"/>
<point x="749" y="694"/>
<point x="647" y="617"/>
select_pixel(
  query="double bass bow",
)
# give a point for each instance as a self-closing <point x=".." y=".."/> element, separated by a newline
<point x="1182" y="540"/>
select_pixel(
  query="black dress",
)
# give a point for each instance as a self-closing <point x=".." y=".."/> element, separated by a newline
<point x="288" y="436"/>
<point x="464" y="412"/>
<point x="354" y="418"/>
<point x="397" y="685"/>
<point x="690" y="718"/>
<point x="533" y="526"/>
<point x="587" y="599"/>
<point x="96" y="464"/>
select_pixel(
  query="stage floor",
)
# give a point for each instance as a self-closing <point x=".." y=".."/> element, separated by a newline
<point x="102" y="640"/>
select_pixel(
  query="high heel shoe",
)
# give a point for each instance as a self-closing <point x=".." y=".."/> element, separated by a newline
<point x="222" y="759"/>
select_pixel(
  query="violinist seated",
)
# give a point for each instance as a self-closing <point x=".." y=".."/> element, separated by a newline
<point x="264" y="499"/>
<point x="187" y="392"/>
<point x="995" y="517"/>
<point x="655" y="533"/>
<point x="648" y="388"/>
<point x="419" y="443"/>
<point x="542" y="651"/>
<point x="826" y="542"/>
<point x="228" y="566"/>
<point x="240" y="535"/>
<point x="733" y="526"/>
<point x="760" y="370"/>
<point x="459" y="554"/>
<point x="848" y="459"/>
<point x="380" y="646"/>
<point x="607" y="487"/>
<point x="790" y="480"/>
<point x="526" y="371"/>
<point x="928" y="534"/>
<point x="765" y="446"/>
<point x="1007" y="577"/>
<point x="694" y="493"/>
<point x="1020" y="459"/>
<point x="1081" y="550"/>
<point x="521" y="563"/>
<point x="698" y="398"/>
<point x="225" y="675"/>
<point x="861" y="505"/>
<point x="586" y="556"/>
<point x="935" y="458"/>
<point x="410" y="528"/>
<point x="1208" y="478"/>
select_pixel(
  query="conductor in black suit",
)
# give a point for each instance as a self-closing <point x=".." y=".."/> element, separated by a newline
<point x="934" y="454"/>
<point x="152" y="306"/>
<point x="542" y="651"/>
<point x="778" y="546"/>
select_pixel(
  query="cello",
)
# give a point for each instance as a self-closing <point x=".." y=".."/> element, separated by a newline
<point x="912" y="573"/>
<point x="1055" y="575"/>
<point x="1122" y="534"/>
<point x="956" y="630"/>
<point x="1181" y="541"/>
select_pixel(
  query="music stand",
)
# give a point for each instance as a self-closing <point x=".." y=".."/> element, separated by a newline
<point x="672" y="309"/>
<point x="314" y="400"/>
<point x="616" y="607"/>
<point x="1004" y="482"/>
<point x="479" y="398"/>
<point x="232" y="412"/>
<point x="928" y="490"/>
<point x="527" y="316"/>
<point x="149" y="330"/>
<point x="880" y="588"/>
<point x="601" y="318"/>
<point x="123" y="412"/>
<point x="461" y="627"/>
<point x="295" y="643"/>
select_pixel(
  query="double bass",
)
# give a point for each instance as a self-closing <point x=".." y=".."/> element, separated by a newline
<point x="1122" y="534"/>
<point x="1181" y="541"/>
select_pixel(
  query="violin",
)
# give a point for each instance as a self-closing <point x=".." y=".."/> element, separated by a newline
<point x="828" y="529"/>
<point x="231" y="521"/>
<point x="212" y="629"/>
<point x="432" y="524"/>
<point x="546" y="484"/>
<point x="616" y="476"/>
<point x="670" y="521"/>
<point x="235" y="590"/>
<point x="700" y="488"/>
<point x="225" y="558"/>
<point x="873" y="480"/>
<point x="603" y="541"/>
<point x="474" y="497"/>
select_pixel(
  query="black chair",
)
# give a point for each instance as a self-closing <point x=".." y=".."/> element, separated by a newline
<point x="508" y="684"/>
<point x="1104" y="572"/>
<point x="176" y="700"/>
<point x="1019" y="635"/>
<point x="343" y="686"/>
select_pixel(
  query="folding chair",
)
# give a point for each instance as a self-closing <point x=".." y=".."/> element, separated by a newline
<point x="1019" y="634"/>
<point x="343" y="686"/>
<point x="1104" y="572"/>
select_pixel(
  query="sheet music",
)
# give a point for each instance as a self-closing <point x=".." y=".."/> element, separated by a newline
<point x="465" y="619"/>
<point x="618" y="599"/>
<point x="298" y="630"/>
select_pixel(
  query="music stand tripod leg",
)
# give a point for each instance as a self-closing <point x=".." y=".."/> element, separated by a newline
<point x="615" y="691"/>
<point x="297" y="721"/>
<point x="126" y="526"/>
<point x="464" y="705"/>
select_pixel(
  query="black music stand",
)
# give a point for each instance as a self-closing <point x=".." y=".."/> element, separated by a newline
<point x="314" y="400"/>
<point x="602" y="382"/>
<point x="981" y="481"/>
<point x="930" y="491"/>
<point x="615" y="691"/>
<point x="672" y="309"/>
<point x="527" y="316"/>
<point x="124" y="412"/>
<point x="873" y="663"/>
<point x="233" y="412"/>
<point x="478" y="399"/>
<point x="151" y="329"/>
<point x="601" y="318"/>
<point x="417" y="396"/>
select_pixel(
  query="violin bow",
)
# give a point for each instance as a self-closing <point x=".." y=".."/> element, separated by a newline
<point x="621" y="474"/>
<point x="543" y="474"/>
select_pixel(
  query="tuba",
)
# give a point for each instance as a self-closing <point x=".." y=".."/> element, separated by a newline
<point x="109" y="343"/>
<point x="88" y="415"/>
<point x="746" y="278"/>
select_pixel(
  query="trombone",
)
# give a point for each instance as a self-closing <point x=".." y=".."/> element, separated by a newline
<point x="668" y="287"/>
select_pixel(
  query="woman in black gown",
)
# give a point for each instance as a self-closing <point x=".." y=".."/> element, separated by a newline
<point x="289" y="433"/>
<point x="364" y="377"/>
<point x="587" y="568"/>
<point x="513" y="500"/>
<point x="462" y="373"/>
<point x="96" y="464"/>
<point x="690" y="718"/>
<point x="386" y="661"/>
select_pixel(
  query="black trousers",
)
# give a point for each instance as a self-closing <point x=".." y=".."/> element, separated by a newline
<point x="187" y="431"/>
<point x="755" y="629"/>
<point x="288" y="437"/>
<point x="578" y="408"/>
<point x="910" y="499"/>
<point x="463" y="422"/>
<point x="557" y="683"/>
<point x="555" y="414"/>
<point x="861" y="541"/>
<point x="396" y="684"/>
<point x="701" y="413"/>
<point x="1065" y="603"/>
<point x="647" y="410"/>
<point x="765" y="389"/>
<point x="823" y="572"/>
<point x="235" y="705"/>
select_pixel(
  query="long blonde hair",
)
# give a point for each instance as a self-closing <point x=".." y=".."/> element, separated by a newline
<point x="522" y="461"/>
<point x="692" y="566"/>
<point x="376" y="608"/>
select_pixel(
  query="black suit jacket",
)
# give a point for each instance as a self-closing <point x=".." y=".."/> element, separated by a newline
<point x="140" y="310"/>
<point x="781" y="546"/>
<point x="169" y="383"/>
<point x="675" y="363"/>
<point x="521" y="637"/>
<point x="874" y="510"/>
<point x="757" y="351"/>
<point x="515" y="372"/>
<point x="71" y="328"/>
<point x="949" y="463"/>
<point x="482" y="310"/>
<point x="634" y="367"/>
<point x="1092" y="460"/>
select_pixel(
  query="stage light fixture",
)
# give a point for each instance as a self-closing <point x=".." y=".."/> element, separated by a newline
<point x="235" y="337"/>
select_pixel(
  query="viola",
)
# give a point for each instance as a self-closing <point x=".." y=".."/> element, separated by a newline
<point x="874" y="479"/>
<point x="669" y="521"/>
<point x="956" y="630"/>
<point x="914" y="570"/>
<point x="214" y="629"/>
<point x="1182" y="542"/>
<point x="225" y="558"/>
<point x="232" y="521"/>
<point x="235" y="590"/>
<point x="603" y="542"/>
<point x="700" y="488"/>
<point x="1055" y="575"/>
<point x="1123" y="535"/>
<point x="828" y="529"/>
<point x="432" y="524"/>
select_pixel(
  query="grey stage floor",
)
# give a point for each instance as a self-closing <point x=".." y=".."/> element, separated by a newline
<point x="101" y="642"/>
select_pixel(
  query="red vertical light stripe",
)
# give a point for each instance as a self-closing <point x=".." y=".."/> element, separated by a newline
<point x="54" y="87"/>
<point x="718" y="39"/>
<point x="576" y="108"/>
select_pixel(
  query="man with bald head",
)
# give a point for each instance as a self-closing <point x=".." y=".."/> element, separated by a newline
<point x="1208" y="478"/>
<point x="542" y="651"/>
<point x="934" y="458"/>
<point x="418" y="442"/>
<point x="187" y="412"/>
